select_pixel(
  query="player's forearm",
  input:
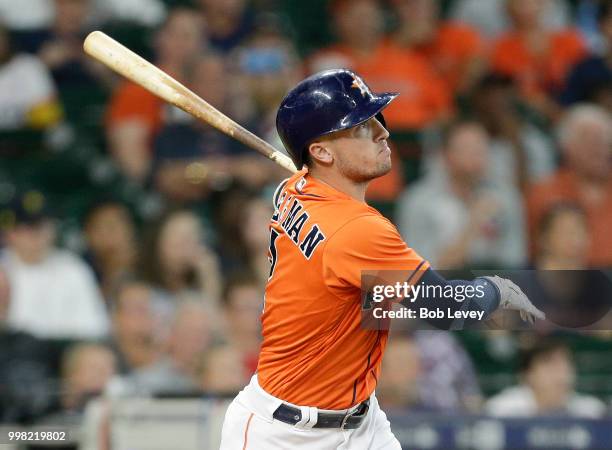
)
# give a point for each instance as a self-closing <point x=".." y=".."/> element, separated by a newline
<point x="479" y="295"/>
<point x="482" y="295"/>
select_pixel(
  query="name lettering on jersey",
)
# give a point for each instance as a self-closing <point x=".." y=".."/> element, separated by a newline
<point x="293" y="220"/>
<point x="296" y="227"/>
<point x="276" y="214"/>
<point x="278" y="199"/>
<point x="311" y="241"/>
<point x="295" y="208"/>
<point x="283" y="200"/>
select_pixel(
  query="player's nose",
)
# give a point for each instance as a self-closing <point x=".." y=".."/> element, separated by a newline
<point x="380" y="132"/>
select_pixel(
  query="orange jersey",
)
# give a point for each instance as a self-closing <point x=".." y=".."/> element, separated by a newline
<point x="564" y="186"/>
<point x="132" y="101"/>
<point x="424" y="97"/>
<point x="536" y="73"/>
<point x="452" y="51"/>
<point x="315" y="351"/>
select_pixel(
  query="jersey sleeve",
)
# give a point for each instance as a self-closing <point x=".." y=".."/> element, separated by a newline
<point x="368" y="244"/>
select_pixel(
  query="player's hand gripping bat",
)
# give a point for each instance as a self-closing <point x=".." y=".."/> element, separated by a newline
<point x="127" y="63"/>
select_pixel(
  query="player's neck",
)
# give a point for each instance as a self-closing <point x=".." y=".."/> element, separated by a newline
<point x="341" y="183"/>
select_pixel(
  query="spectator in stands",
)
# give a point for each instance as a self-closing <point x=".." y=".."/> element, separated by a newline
<point x="520" y="152"/>
<point x="229" y="22"/>
<point x="591" y="79"/>
<point x="25" y="368"/>
<point x="177" y="372"/>
<point x="439" y="374"/>
<point x="563" y="239"/>
<point x="247" y="239"/>
<point x="463" y="218"/>
<point x="176" y="259"/>
<point x="223" y="371"/>
<point x="228" y="213"/>
<point x="135" y="115"/>
<point x="491" y="17"/>
<point x="144" y="12"/>
<point x="54" y="293"/>
<point x="242" y="305"/>
<point x="569" y="295"/>
<point x="547" y="375"/>
<point x="585" y="137"/>
<point x="60" y="46"/>
<point x="267" y="66"/>
<point x="255" y="237"/>
<point x="26" y="14"/>
<point x="111" y="243"/>
<point x="28" y="98"/>
<point x="5" y="296"/>
<point x="192" y="159"/>
<point x="86" y="371"/>
<point x="455" y="50"/>
<point x="539" y="59"/>
<point x="402" y="371"/>
<point x="136" y="334"/>
<point x="384" y="65"/>
<point x="449" y="381"/>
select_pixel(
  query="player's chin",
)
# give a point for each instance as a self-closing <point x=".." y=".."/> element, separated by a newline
<point x="382" y="168"/>
<point x="385" y="163"/>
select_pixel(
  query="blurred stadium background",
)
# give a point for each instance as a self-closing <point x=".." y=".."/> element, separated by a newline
<point x="134" y="241"/>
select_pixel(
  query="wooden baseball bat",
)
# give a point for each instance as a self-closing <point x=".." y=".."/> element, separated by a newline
<point x="137" y="69"/>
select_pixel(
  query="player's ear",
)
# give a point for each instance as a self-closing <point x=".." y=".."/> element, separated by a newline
<point x="319" y="152"/>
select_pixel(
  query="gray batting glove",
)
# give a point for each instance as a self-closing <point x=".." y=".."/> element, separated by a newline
<point x="511" y="297"/>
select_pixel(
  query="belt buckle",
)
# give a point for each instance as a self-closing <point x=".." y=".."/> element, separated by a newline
<point x="365" y="405"/>
<point x="344" y="420"/>
<point x="348" y="415"/>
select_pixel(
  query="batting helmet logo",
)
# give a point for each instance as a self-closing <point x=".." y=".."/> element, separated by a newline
<point x="328" y="101"/>
<point x="359" y="84"/>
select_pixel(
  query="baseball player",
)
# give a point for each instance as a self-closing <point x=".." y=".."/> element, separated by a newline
<point x="318" y="366"/>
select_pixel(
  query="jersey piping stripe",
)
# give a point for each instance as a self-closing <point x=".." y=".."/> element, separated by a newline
<point x="407" y="298"/>
<point x="367" y="366"/>
<point x="246" y="432"/>
<point x="310" y="195"/>
<point x="414" y="272"/>
<point x="299" y="191"/>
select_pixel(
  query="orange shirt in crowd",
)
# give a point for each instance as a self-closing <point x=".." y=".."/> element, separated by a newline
<point x="563" y="186"/>
<point x="538" y="73"/>
<point x="424" y="97"/>
<point x="454" y="47"/>
<point x="315" y="350"/>
<point x="132" y="101"/>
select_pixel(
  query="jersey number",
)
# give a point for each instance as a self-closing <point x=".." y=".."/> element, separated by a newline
<point x="273" y="253"/>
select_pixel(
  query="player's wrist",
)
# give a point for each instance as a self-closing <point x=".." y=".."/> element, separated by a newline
<point x="495" y="284"/>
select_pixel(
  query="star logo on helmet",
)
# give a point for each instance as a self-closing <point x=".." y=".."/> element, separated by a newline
<point x="359" y="84"/>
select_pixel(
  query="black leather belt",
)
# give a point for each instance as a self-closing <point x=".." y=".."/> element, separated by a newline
<point x="349" y="421"/>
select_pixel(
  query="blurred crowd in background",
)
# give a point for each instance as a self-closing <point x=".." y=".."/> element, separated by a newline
<point x="134" y="239"/>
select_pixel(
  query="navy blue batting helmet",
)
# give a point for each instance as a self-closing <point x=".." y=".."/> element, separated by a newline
<point x="328" y="101"/>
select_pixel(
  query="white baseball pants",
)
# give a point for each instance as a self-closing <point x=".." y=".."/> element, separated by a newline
<point x="249" y="425"/>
